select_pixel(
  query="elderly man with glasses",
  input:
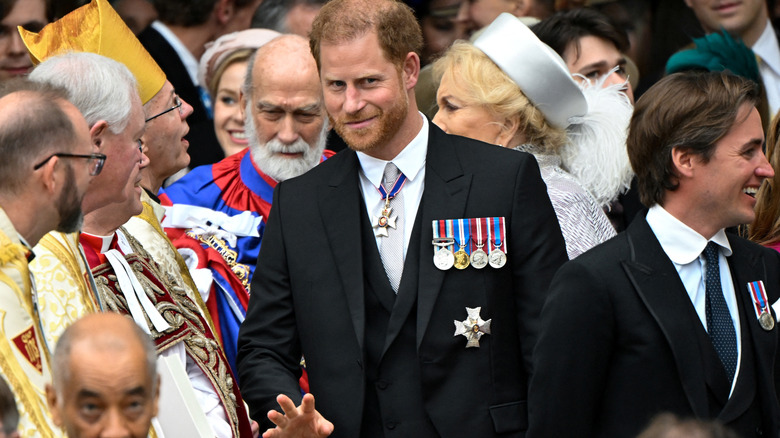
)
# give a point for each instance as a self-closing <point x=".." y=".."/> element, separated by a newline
<point x="154" y="292"/>
<point x="48" y="162"/>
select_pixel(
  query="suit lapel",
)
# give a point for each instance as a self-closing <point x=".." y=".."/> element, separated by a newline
<point x="445" y="196"/>
<point x="660" y="289"/>
<point x="342" y="206"/>
<point x="745" y="267"/>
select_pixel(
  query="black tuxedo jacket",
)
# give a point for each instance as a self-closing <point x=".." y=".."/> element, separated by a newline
<point x="204" y="147"/>
<point x="308" y="292"/>
<point x="621" y="342"/>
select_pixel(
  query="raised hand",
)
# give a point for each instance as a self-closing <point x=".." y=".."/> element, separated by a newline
<point x="299" y="422"/>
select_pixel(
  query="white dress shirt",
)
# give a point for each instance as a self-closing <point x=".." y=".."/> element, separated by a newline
<point x="768" y="51"/>
<point x="684" y="247"/>
<point x="411" y="162"/>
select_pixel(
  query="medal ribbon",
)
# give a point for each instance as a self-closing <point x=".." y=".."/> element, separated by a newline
<point x="443" y="229"/>
<point x="463" y="231"/>
<point x="477" y="224"/>
<point x="498" y="233"/>
<point x="757" y="291"/>
<point x="399" y="184"/>
<point x="450" y="233"/>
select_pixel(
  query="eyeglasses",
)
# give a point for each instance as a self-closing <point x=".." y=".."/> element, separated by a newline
<point x="94" y="161"/>
<point x="177" y="103"/>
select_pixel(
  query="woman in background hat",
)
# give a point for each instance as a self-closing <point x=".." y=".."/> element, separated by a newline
<point x="511" y="90"/>
<point x="222" y="70"/>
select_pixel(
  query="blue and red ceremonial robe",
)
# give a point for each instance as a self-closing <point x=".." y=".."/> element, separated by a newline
<point x="231" y="186"/>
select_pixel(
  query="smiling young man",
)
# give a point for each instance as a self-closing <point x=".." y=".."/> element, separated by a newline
<point x="591" y="46"/>
<point x="678" y="311"/>
<point x="347" y="277"/>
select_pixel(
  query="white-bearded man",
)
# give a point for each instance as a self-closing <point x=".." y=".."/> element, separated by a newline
<point x="219" y="211"/>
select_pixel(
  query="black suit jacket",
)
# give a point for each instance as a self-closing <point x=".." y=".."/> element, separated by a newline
<point x="308" y="292"/>
<point x="204" y="147"/>
<point x="621" y="342"/>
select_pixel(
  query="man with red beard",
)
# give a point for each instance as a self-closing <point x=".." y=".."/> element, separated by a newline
<point x="219" y="211"/>
<point x="369" y="258"/>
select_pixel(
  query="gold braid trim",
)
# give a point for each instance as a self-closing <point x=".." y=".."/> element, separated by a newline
<point x="26" y="396"/>
<point x="205" y="351"/>
<point x="149" y="217"/>
<point x="184" y="317"/>
<point x="230" y="256"/>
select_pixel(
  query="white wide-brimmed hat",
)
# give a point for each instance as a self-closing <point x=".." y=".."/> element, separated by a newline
<point x="535" y="68"/>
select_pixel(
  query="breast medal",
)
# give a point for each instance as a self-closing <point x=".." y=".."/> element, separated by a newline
<point x="443" y="259"/>
<point x="497" y="241"/>
<point x="761" y="305"/>
<point x="473" y="327"/>
<point x="442" y="242"/>
<point x="767" y="322"/>
<point x="479" y="258"/>
<point x="461" y="257"/>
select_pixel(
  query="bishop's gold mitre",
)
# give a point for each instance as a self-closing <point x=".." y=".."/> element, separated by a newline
<point x="97" y="28"/>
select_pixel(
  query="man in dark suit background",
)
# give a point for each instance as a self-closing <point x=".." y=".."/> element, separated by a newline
<point x="176" y="41"/>
<point x="669" y="315"/>
<point x="354" y="287"/>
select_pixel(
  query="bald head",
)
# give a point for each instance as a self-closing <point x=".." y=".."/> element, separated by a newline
<point x="104" y="334"/>
<point x="284" y="118"/>
<point x="104" y="360"/>
<point x="283" y="57"/>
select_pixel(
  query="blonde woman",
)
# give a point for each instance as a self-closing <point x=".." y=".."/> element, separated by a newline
<point x="526" y="103"/>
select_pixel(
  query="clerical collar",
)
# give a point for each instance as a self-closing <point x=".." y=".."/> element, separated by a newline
<point x="100" y="244"/>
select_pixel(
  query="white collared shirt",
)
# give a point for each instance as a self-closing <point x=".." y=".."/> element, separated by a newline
<point x="768" y="51"/>
<point x="187" y="58"/>
<point x="684" y="247"/>
<point x="411" y="162"/>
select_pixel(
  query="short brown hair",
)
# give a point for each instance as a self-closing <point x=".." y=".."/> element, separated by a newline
<point x="342" y="21"/>
<point x="688" y="110"/>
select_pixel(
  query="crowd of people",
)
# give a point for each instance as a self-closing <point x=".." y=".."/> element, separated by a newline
<point x="234" y="218"/>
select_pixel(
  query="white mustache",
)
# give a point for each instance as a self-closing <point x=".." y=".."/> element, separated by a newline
<point x="277" y="147"/>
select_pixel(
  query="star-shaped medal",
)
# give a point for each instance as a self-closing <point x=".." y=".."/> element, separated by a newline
<point x="473" y="327"/>
<point x="380" y="223"/>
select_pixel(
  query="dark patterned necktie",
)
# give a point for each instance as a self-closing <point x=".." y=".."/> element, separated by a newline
<point x="719" y="323"/>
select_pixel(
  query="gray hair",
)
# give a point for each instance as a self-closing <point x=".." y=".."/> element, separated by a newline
<point x="272" y="14"/>
<point x="248" y="86"/>
<point x="60" y="361"/>
<point x="101" y="88"/>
